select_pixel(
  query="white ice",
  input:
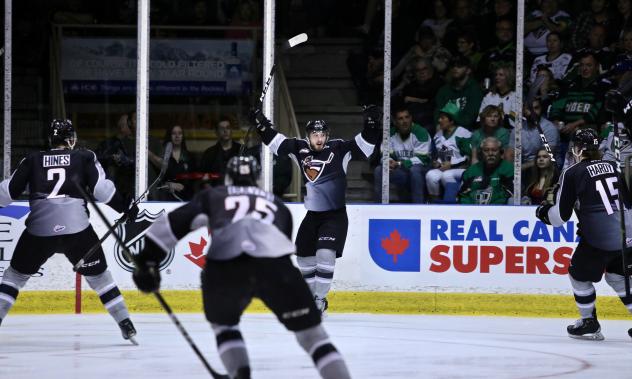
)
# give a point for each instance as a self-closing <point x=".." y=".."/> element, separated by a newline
<point x="375" y="346"/>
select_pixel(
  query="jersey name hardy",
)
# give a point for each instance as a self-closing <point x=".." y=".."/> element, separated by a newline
<point x="56" y="160"/>
<point x="313" y="168"/>
<point x="578" y="107"/>
<point x="599" y="169"/>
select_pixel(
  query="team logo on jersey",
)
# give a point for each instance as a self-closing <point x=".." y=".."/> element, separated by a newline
<point x="132" y="233"/>
<point x="394" y="245"/>
<point x="313" y="168"/>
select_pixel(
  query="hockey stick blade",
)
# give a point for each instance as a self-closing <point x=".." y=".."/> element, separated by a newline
<point x="297" y="40"/>
<point x="129" y="256"/>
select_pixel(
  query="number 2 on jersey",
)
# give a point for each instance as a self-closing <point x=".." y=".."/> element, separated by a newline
<point x="61" y="178"/>
<point x="607" y="192"/>
<point x="264" y="209"/>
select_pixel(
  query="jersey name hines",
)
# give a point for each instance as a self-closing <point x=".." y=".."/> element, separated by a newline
<point x="599" y="169"/>
<point x="56" y="160"/>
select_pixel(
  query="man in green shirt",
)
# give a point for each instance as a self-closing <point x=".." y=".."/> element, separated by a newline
<point x="489" y="181"/>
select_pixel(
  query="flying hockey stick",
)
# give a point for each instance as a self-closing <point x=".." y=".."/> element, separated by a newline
<point x="124" y="217"/>
<point x="290" y="43"/>
<point x="129" y="256"/>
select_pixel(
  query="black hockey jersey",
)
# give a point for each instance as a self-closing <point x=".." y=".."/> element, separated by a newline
<point x="325" y="170"/>
<point x="592" y="188"/>
<point x="241" y="220"/>
<point x="57" y="206"/>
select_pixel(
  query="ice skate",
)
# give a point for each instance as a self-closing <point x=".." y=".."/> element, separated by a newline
<point x="128" y="331"/>
<point x="586" y="329"/>
<point x="322" y="305"/>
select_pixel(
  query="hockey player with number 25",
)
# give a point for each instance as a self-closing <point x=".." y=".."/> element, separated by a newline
<point x="249" y="256"/>
<point x="592" y="187"/>
<point x="323" y="232"/>
<point x="59" y="223"/>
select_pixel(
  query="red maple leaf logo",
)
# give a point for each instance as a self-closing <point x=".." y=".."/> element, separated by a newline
<point x="197" y="252"/>
<point x="395" y="245"/>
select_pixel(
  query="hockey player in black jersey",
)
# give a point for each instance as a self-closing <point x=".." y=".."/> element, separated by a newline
<point x="591" y="187"/>
<point x="249" y="257"/>
<point x="58" y="221"/>
<point x="323" y="232"/>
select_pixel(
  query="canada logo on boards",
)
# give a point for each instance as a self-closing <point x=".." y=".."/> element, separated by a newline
<point x="395" y="245"/>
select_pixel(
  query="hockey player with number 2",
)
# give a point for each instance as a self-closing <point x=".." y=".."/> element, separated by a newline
<point x="249" y="256"/>
<point x="59" y="223"/>
<point x="592" y="188"/>
<point x="323" y="232"/>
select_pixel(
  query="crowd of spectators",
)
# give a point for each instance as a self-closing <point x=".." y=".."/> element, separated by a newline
<point x="457" y="81"/>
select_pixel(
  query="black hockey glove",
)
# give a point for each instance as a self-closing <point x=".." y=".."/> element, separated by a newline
<point x="146" y="274"/>
<point x="259" y="119"/>
<point x="372" y="116"/>
<point x="542" y="212"/>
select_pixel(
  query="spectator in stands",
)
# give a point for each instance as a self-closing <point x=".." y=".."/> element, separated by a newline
<point x="580" y="104"/>
<point x="489" y="181"/>
<point x="624" y="8"/>
<point x="369" y="81"/>
<point x="488" y="23"/>
<point x="117" y="155"/>
<point x="597" y="45"/>
<point x="215" y="158"/>
<point x="281" y="166"/>
<point x="461" y="89"/>
<point x="466" y="45"/>
<point x="548" y="18"/>
<point x="541" y="179"/>
<point x="246" y="14"/>
<point x="463" y="23"/>
<point x="452" y="145"/>
<point x="598" y="14"/>
<point x="625" y="51"/>
<point x="503" y="94"/>
<point x="176" y="185"/>
<point x="554" y="59"/>
<point x="207" y="13"/>
<point x="548" y="90"/>
<point x="409" y="161"/>
<point x="439" y="20"/>
<point x="503" y="52"/>
<point x="426" y="46"/>
<point x="419" y="91"/>
<point x="530" y="136"/>
<point x="490" y="118"/>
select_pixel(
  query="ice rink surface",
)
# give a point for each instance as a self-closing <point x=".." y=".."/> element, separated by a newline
<point x="375" y="346"/>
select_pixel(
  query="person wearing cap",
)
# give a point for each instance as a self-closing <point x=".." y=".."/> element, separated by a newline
<point x="462" y="90"/>
<point x="452" y="144"/>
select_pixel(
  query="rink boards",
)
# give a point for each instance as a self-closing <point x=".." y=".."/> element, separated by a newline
<point x="389" y="248"/>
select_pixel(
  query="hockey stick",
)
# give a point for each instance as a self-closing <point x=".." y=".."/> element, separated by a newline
<point x="129" y="256"/>
<point x="531" y="97"/>
<point x="163" y="170"/>
<point x="294" y="41"/>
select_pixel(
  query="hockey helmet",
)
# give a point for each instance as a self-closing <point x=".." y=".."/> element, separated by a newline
<point x="61" y="132"/>
<point x="242" y="171"/>
<point x="586" y="139"/>
<point x="316" y="126"/>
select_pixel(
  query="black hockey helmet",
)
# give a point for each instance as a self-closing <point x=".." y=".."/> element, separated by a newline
<point x="242" y="171"/>
<point x="316" y="126"/>
<point x="61" y="132"/>
<point x="586" y="139"/>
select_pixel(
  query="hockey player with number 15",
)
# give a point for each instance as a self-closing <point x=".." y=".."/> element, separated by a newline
<point x="59" y="220"/>
<point x="592" y="188"/>
<point x="323" y="232"/>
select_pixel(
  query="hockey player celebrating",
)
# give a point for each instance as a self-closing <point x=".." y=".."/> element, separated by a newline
<point x="593" y="186"/>
<point x="59" y="221"/>
<point x="323" y="232"/>
<point x="248" y="257"/>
